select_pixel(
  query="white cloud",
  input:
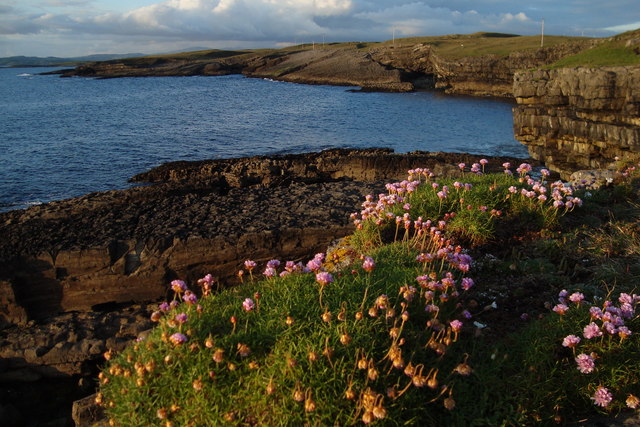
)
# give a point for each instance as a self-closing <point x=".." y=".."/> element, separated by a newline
<point x="624" y="27"/>
<point x="272" y="22"/>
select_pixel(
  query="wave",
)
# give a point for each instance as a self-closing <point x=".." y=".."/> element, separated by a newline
<point x="25" y="75"/>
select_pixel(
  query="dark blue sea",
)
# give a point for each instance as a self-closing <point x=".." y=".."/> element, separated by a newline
<point x="62" y="138"/>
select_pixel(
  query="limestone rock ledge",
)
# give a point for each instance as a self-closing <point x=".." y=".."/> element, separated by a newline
<point x="578" y="118"/>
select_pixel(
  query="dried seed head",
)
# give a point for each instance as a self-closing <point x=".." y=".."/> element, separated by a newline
<point x="218" y="355"/>
<point x="298" y="395"/>
<point x="289" y="321"/>
<point x="358" y="315"/>
<point x="161" y="413"/>
<point x="208" y="342"/>
<point x="464" y="369"/>
<point x="372" y="373"/>
<point x="309" y="405"/>
<point x="253" y="365"/>
<point x="379" y="412"/>
<point x="394" y="332"/>
<point x="373" y="312"/>
<point x="243" y="350"/>
<point x="350" y="394"/>
<point x="326" y="316"/>
<point x="410" y="370"/>
<point x="391" y="313"/>
<point x="449" y="403"/>
<point x="197" y="384"/>
<point x="432" y="383"/>
<point x="363" y="363"/>
<point x="291" y="362"/>
<point x="368" y="417"/>
<point x="231" y="366"/>
<point x="168" y="359"/>
<point x="345" y="339"/>
<point x="398" y="363"/>
<point x="271" y="387"/>
<point x="419" y="381"/>
<point x="313" y="356"/>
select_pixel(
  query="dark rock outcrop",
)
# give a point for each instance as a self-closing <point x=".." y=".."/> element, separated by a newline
<point x="579" y="118"/>
<point x="201" y="217"/>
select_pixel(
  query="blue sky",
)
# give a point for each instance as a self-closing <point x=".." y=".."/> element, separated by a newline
<point x="78" y="27"/>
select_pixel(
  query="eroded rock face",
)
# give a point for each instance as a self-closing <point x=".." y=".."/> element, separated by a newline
<point x="578" y="118"/>
<point x="400" y="68"/>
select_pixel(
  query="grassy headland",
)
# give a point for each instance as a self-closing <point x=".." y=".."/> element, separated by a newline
<point x="487" y="300"/>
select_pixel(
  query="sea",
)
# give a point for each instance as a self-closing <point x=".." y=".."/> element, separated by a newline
<point x="66" y="137"/>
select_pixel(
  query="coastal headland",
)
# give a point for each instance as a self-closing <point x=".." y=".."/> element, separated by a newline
<point x="76" y="275"/>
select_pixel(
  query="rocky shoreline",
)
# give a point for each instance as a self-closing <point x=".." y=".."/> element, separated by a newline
<point x="76" y="275"/>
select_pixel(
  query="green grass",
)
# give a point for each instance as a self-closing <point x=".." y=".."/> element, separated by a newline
<point x="512" y="376"/>
<point x="611" y="52"/>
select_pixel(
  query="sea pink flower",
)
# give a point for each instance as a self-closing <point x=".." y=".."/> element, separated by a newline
<point x="274" y="263"/>
<point x="314" y="265"/>
<point x="570" y="341"/>
<point x="270" y="272"/>
<point x="178" y="286"/>
<point x="602" y="397"/>
<point x="250" y="265"/>
<point x="178" y="338"/>
<point x="624" y="332"/>
<point x="181" y="318"/>
<point x="591" y="331"/>
<point x="368" y="265"/>
<point x="585" y="363"/>
<point x="190" y="298"/>
<point x="164" y="306"/>
<point x="466" y="314"/>
<point x="484" y="162"/>
<point x="461" y="166"/>
<point x="467" y="283"/>
<point x="248" y="304"/>
<point x="576" y="297"/>
<point x="324" y="278"/>
<point x="560" y="309"/>
<point x="456" y="325"/>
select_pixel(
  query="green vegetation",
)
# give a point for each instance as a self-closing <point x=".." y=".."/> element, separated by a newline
<point x="612" y="52"/>
<point x="389" y="328"/>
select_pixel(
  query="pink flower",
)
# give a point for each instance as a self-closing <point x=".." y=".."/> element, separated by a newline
<point x="368" y="265"/>
<point x="456" y="325"/>
<point x="164" y="306"/>
<point x="461" y="166"/>
<point x="324" y="278"/>
<point x="484" y="162"/>
<point x="585" y="363"/>
<point x="178" y="286"/>
<point x="576" y="297"/>
<point x="560" y="309"/>
<point x="181" y="318"/>
<point x="570" y="341"/>
<point x="270" y="272"/>
<point x="178" y="338"/>
<point x="190" y="298"/>
<point x="591" y="331"/>
<point x="248" y="304"/>
<point x="467" y="283"/>
<point x="274" y="263"/>
<point x="602" y="397"/>
<point x="250" y="265"/>
<point x="314" y="265"/>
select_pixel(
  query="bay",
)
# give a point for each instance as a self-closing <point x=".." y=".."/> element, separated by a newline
<point x="62" y="138"/>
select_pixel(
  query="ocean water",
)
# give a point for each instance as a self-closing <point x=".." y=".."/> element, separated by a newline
<point x="62" y="138"/>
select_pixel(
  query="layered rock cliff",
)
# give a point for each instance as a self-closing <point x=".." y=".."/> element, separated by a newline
<point x="578" y="118"/>
<point x="398" y="68"/>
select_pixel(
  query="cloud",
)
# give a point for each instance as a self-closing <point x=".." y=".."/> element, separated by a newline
<point x="624" y="27"/>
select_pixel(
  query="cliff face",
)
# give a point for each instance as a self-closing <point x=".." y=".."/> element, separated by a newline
<point x="385" y="68"/>
<point x="578" y="118"/>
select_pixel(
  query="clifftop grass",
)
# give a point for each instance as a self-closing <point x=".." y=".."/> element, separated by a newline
<point x="390" y="329"/>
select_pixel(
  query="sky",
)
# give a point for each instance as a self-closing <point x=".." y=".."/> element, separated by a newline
<point x="68" y="28"/>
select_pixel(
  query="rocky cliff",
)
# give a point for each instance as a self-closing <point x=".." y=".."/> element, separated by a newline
<point x="578" y="118"/>
<point x="381" y="67"/>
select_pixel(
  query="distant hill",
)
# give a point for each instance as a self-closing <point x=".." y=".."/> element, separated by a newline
<point x="52" y="61"/>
